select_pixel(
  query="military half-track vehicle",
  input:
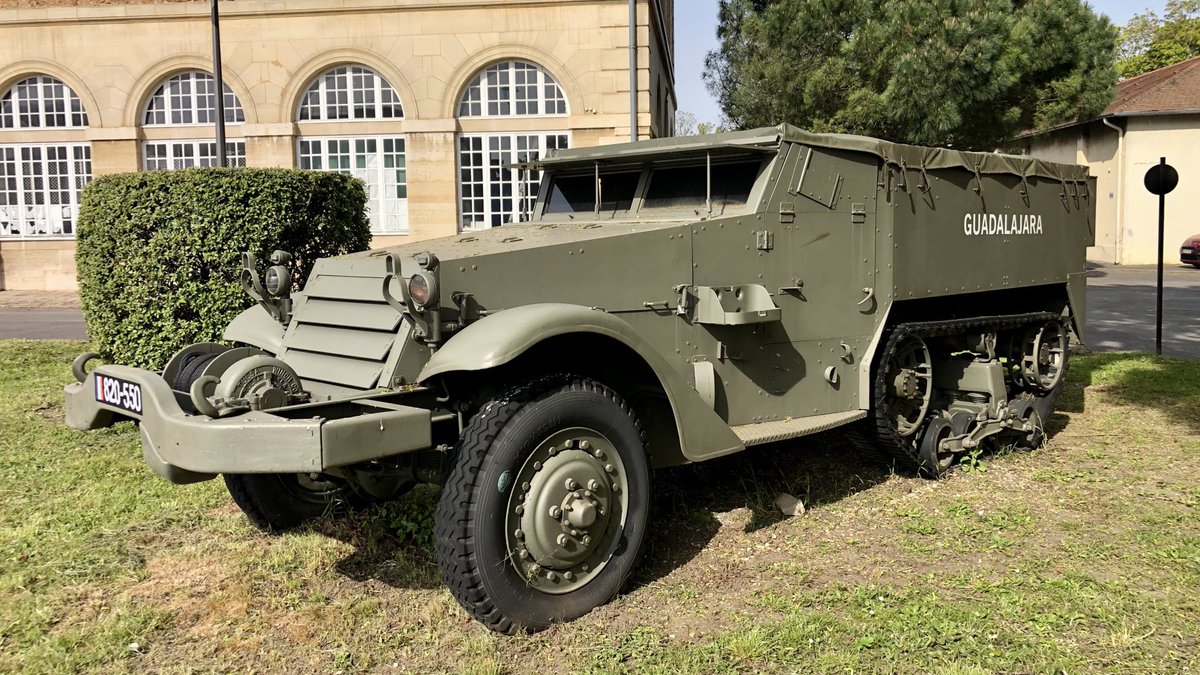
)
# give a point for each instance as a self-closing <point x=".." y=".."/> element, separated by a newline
<point x="669" y="301"/>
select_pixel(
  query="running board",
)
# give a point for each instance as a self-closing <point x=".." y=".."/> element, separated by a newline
<point x="770" y="432"/>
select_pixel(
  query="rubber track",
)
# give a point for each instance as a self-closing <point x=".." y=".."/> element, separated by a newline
<point x="456" y="506"/>
<point x="877" y="437"/>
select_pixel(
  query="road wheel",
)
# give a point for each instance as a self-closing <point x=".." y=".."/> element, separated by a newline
<point x="280" y="501"/>
<point x="545" y="506"/>
<point x="935" y="458"/>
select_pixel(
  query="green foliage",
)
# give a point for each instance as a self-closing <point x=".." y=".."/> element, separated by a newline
<point x="965" y="73"/>
<point x="1149" y="42"/>
<point x="159" y="253"/>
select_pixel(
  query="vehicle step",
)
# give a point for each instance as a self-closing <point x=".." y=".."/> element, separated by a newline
<point x="781" y="430"/>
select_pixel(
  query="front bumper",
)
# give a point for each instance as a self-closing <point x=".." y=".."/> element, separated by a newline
<point x="187" y="448"/>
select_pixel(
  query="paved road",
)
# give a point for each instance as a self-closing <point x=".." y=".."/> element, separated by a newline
<point x="36" y="324"/>
<point x="1120" y="313"/>
<point x="1121" y="307"/>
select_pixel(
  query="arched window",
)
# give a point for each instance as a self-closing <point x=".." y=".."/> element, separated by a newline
<point x="189" y="99"/>
<point x="492" y="191"/>
<point x="512" y="89"/>
<point x="40" y="183"/>
<point x="41" y="102"/>
<point x="349" y="93"/>
<point x="374" y="154"/>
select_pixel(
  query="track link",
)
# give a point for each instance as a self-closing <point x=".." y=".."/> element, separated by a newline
<point x="876" y="437"/>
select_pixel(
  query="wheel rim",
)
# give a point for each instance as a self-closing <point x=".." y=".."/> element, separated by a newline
<point x="910" y="379"/>
<point x="566" y="509"/>
<point x="1044" y="355"/>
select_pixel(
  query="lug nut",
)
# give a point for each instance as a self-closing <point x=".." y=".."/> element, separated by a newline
<point x="520" y="510"/>
<point x="587" y="541"/>
<point x="610" y="468"/>
<point x="525" y="486"/>
<point x="519" y="534"/>
<point x="598" y="454"/>
<point x="593" y="485"/>
<point x="616" y="488"/>
<point x="552" y="576"/>
<point x="587" y="493"/>
<point x="523" y="555"/>
<point x="571" y="484"/>
<point x="555" y="512"/>
<point x="562" y="540"/>
<point x="537" y="466"/>
<point x="574" y="533"/>
<point x="552" y="451"/>
<point x="570" y="443"/>
<point x="584" y="445"/>
<point x="568" y="575"/>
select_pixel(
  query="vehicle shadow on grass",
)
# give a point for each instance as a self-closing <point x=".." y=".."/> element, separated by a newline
<point x="689" y="500"/>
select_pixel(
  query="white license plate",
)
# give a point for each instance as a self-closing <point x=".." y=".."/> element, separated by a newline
<point x="119" y="393"/>
<point x="1186" y="251"/>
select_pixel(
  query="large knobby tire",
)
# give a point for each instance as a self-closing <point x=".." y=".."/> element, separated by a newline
<point x="275" y="502"/>
<point x="514" y="465"/>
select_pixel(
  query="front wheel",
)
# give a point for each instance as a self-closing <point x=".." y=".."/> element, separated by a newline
<point x="280" y="501"/>
<point x="545" y="507"/>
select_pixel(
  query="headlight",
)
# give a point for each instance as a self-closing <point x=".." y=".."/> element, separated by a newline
<point x="278" y="281"/>
<point x="422" y="288"/>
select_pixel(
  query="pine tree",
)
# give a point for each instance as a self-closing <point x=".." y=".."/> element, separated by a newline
<point x="964" y="73"/>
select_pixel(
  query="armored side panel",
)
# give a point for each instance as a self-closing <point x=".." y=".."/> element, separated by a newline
<point x="956" y="231"/>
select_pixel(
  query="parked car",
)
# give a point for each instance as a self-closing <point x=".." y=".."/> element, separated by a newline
<point x="1189" y="252"/>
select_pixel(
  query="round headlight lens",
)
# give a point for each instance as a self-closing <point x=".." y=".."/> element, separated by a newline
<point x="422" y="289"/>
<point x="277" y="280"/>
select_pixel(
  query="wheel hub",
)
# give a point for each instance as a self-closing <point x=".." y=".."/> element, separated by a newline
<point x="906" y="384"/>
<point x="566" y="510"/>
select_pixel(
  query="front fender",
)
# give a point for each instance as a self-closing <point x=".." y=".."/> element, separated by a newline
<point x="256" y="327"/>
<point x="501" y="337"/>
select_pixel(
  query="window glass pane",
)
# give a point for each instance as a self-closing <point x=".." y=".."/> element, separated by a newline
<point x="682" y="188"/>
<point x="40" y="186"/>
<point x="349" y="93"/>
<point x="378" y="162"/>
<point x="190" y="98"/>
<point x="38" y="102"/>
<point x="512" y="89"/>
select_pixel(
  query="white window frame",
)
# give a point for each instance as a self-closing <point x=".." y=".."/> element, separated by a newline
<point x="169" y="100"/>
<point x="317" y="96"/>
<point x="25" y="216"/>
<point x="485" y="89"/>
<point x="379" y="205"/>
<point x="67" y="105"/>
<point x="523" y="193"/>
<point x="187" y="154"/>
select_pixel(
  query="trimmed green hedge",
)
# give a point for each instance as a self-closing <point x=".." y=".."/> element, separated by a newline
<point x="159" y="253"/>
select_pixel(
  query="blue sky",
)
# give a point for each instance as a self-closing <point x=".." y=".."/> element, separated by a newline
<point x="695" y="35"/>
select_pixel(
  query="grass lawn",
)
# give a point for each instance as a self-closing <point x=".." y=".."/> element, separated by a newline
<point x="1081" y="557"/>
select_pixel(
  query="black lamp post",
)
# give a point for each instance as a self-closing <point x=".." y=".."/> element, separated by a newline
<point x="219" y="83"/>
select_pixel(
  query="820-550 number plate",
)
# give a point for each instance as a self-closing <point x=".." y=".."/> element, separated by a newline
<point x="119" y="393"/>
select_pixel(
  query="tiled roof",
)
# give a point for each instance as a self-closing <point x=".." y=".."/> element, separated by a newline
<point x="1175" y="88"/>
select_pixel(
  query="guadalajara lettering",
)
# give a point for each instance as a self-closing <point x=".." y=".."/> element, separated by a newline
<point x="975" y="224"/>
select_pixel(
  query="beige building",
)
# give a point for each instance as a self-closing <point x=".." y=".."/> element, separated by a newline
<point x="427" y="101"/>
<point x="1154" y="115"/>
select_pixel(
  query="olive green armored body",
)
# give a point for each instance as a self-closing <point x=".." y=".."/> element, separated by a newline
<point x="667" y="302"/>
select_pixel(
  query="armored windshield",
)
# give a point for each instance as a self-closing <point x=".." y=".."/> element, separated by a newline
<point x="606" y="193"/>
<point x="690" y="187"/>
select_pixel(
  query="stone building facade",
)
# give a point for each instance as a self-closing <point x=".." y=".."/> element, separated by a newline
<point x="426" y="100"/>
<point x="1154" y="115"/>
